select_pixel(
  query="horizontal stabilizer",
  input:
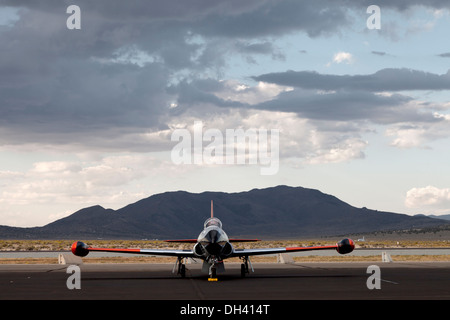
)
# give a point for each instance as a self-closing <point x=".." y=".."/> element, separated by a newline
<point x="183" y="240"/>
<point x="195" y="240"/>
<point x="244" y="240"/>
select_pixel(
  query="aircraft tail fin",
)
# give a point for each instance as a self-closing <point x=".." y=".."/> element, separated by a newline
<point x="212" y="211"/>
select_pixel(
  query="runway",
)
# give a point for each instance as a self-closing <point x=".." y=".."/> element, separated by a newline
<point x="270" y="281"/>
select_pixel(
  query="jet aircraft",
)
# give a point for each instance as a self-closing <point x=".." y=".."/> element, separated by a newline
<point x="213" y="246"/>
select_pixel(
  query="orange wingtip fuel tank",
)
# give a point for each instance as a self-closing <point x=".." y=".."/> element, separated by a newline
<point x="80" y="249"/>
<point x="345" y="246"/>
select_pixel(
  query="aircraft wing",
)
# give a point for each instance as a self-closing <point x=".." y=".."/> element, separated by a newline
<point x="81" y="249"/>
<point x="344" y="246"/>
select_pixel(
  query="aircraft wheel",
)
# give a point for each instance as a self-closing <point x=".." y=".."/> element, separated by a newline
<point x="243" y="271"/>
<point x="183" y="271"/>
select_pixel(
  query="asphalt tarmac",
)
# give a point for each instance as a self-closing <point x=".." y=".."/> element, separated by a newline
<point x="269" y="283"/>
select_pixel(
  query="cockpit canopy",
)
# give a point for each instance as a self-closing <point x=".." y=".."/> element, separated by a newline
<point x="213" y="222"/>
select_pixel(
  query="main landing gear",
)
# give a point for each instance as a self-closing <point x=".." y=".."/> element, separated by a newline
<point x="181" y="267"/>
<point x="244" y="266"/>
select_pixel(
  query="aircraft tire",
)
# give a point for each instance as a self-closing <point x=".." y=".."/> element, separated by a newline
<point x="243" y="271"/>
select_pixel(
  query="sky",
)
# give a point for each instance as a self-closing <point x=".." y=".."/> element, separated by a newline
<point x="114" y="101"/>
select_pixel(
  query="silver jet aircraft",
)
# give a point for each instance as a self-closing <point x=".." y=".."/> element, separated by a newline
<point x="213" y="246"/>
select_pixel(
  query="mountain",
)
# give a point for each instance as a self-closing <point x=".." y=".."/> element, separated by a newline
<point x="442" y="216"/>
<point x="277" y="212"/>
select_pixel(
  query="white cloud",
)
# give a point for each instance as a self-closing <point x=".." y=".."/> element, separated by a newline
<point x="342" y="57"/>
<point x="407" y="137"/>
<point x="419" y="135"/>
<point x="301" y="140"/>
<point x="62" y="187"/>
<point x="55" y="167"/>
<point x="346" y="150"/>
<point x="263" y="91"/>
<point x="429" y="199"/>
<point x="91" y="178"/>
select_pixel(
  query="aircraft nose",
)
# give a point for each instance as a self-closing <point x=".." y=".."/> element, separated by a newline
<point x="213" y="247"/>
<point x="212" y="236"/>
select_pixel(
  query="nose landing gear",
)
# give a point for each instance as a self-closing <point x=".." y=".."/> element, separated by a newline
<point x="216" y="265"/>
<point x="212" y="273"/>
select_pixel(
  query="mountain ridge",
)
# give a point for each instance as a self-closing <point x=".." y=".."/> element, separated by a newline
<point x="274" y="212"/>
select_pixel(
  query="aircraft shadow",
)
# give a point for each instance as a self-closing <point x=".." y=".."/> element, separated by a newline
<point x="230" y="275"/>
<point x="255" y="276"/>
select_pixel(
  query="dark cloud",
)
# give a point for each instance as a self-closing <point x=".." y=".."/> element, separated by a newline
<point x="129" y="62"/>
<point x="255" y="48"/>
<point x="58" y="84"/>
<point x="355" y="97"/>
<point x="193" y="93"/>
<point x="401" y="5"/>
<point x="274" y="18"/>
<point x="83" y="99"/>
<point x="348" y="106"/>
<point x="315" y="104"/>
<point x="383" y="80"/>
